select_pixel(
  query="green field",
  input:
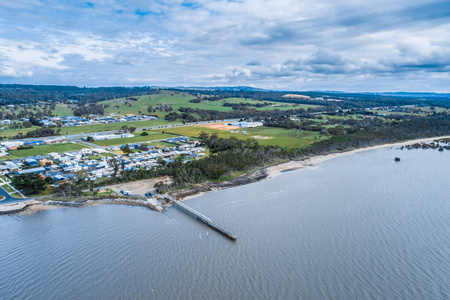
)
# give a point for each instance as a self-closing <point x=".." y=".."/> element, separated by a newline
<point x="7" y="188"/>
<point x="9" y="133"/>
<point x="178" y="100"/>
<point x="114" y="126"/>
<point x="152" y="135"/>
<point x="288" y="138"/>
<point x="59" y="111"/>
<point x="44" y="150"/>
<point x="160" y="145"/>
<point x="16" y="195"/>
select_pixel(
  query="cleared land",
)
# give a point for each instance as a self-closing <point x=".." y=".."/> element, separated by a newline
<point x="289" y="138"/>
<point x="138" y="188"/>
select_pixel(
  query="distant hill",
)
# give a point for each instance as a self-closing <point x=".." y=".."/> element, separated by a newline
<point x="414" y="94"/>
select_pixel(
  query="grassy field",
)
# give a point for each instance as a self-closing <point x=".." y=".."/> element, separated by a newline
<point x="177" y="100"/>
<point x="114" y="126"/>
<point x="9" y="133"/>
<point x="16" y="195"/>
<point x="7" y="188"/>
<point x="59" y="111"/>
<point x="288" y="138"/>
<point x="45" y="149"/>
<point x="152" y="135"/>
<point x="160" y="144"/>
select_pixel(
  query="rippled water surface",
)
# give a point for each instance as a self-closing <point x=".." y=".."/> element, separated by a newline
<point x="357" y="227"/>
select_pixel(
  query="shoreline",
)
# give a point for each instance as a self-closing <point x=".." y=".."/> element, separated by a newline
<point x="34" y="206"/>
<point x="275" y="170"/>
<point x="313" y="161"/>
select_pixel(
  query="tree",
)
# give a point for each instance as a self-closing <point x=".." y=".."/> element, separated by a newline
<point x="27" y="124"/>
<point x="67" y="190"/>
<point x="29" y="183"/>
<point x="90" y="139"/>
<point x="144" y="133"/>
<point x="115" y="163"/>
<point x="127" y="149"/>
<point x="161" y="161"/>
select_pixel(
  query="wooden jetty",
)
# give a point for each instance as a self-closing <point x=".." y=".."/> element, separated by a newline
<point x="202" y="218"/>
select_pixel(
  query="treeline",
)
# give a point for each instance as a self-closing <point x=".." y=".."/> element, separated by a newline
<point x="40" y="132"/>
<point x="19" y="93"/>
<point x="347" y="100"/>
<point x="244" y="113"/>
<point x="92" y="108"/>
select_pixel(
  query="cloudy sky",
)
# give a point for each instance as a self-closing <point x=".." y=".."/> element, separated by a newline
<point x="347" y="45"/>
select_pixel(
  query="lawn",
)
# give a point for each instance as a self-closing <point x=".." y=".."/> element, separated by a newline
<point x="161" y="145"/>
<point x="94" y="157"/>
<point x="16" y="195"/>
<point x="289" y="138"/>
<point x="45" y="149"/>
<point x="8" y="188"/>
<point x="108" y="154"/>
<point x="152" y="136"/>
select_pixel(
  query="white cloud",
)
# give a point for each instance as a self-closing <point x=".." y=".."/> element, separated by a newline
<point x="205" y="42"/>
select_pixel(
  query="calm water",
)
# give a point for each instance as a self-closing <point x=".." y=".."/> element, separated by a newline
<point x="357" y="227"/>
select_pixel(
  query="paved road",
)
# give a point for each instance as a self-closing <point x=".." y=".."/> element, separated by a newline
<point x="9" y="199"/>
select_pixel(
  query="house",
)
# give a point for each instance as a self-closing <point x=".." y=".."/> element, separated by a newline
<point x="45" y="161"/>
<point x="113" y="148"/>
<point x="86" y="151"/>
<point x="101" y="189"/>
<point x="54" y="155"/>
<point x="55" y="140"/>
<point x="31" y="162"/>
<point x="38" y="170"/>
<point x="34" y="143"/>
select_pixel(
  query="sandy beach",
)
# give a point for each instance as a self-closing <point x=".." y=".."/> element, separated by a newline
<point x="298" y="164"/>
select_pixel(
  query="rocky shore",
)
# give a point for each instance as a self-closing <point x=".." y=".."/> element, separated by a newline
<point x="209" y="187"/>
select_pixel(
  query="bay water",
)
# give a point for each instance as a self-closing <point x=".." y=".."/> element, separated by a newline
<point x="357" y="227"/>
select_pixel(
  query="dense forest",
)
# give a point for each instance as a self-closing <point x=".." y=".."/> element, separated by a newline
<point x="18" y="93"/>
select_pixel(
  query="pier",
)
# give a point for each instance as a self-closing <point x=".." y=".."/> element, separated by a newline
<point x="202" y="218"/>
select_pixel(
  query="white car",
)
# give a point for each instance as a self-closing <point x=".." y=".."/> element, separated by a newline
<point x="126" y="193"/>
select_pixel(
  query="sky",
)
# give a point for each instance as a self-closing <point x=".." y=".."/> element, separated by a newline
<point x="346" y="45"/>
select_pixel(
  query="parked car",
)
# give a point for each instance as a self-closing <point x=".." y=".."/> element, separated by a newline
<point x="126" y="193"/>
<point x="149" y="194"/>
